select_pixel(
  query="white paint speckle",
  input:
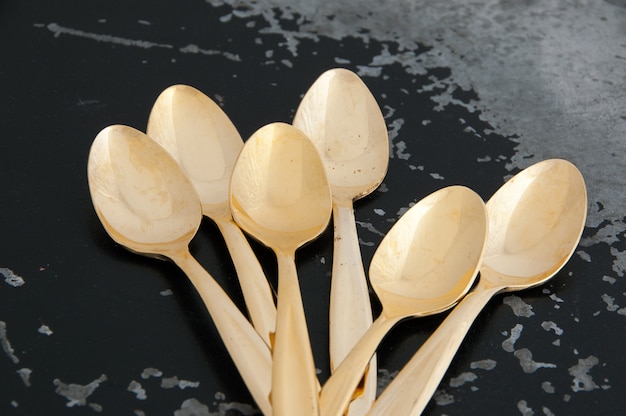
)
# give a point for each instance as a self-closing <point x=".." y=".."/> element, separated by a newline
<point x="11" y="278"/>
<point x="45" y="329"/>
<point x="527" y="363"/>
<point x="609" y="279"/>
<point x="487" y="364"/>
<point x="24" y="374"/>
<point x="59" y="30"/>
<point x="520" y="308"/>
<point x="582" y="379"/>
<point x="166" y="292"/>
<point x="555" y="298"/>
<point x="135" y="387"/>
<point x="610" y="303"/>
<point x="369" y="227"/>
<point x="379" y="211"/>
<point x="467" y="377"/>
<point x="192" y="407"/>
<point x="584" y="255"/>
<point x="6" y="345"/>
<point x="508" y="344"/>
<point x="437" y="176"/>
<point x="522" y="406"/>
<point x="548" y="387"/>
<point x="549" y="325"/>
<point x="442" y="398"/>
<point x="77" y="394"/>
<point x="368" y="71"/>
<point x="151" y="372"/>
<point x="171" y="382"/>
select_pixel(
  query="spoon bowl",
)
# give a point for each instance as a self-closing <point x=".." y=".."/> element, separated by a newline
<point x="147" y="204"/>
<point x="279" y="194"/>
<point x="205" y="143"/>
<point x="136" y="195"/>
<point x="341" y="117"/>
<point x="430" y="257"/>
<point x="279" y="191"/>
<point x="535" y="222"/>
<point x="424" y="265"/>
<point x="200" y="136"/>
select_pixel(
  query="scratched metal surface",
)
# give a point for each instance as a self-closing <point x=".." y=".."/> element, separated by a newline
<point x="471" y="95"/>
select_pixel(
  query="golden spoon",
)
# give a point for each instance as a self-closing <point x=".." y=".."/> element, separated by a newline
<point x="148" y="205"/>
<point x="201" y="137"/>
<point x="424" y="265"/>
<point x="535" y="222"/>
<point x="279" y="194"/>
<point x="343" y="120"/>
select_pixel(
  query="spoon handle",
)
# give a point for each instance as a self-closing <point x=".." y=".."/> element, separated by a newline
<point x="350" y="308"/>
<point x="340" y="387"/>
<point x="411" y="390"/>
<point x="250" y="354"/>
<point x="254" y="284"/>
<point x="295" y="387"/>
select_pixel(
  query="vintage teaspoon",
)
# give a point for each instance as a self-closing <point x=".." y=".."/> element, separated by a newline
<point x="535" y="222"/>
<point x="424" y="265"/>
<point x="201" y="137"/>
<point x="148" y="205"/>
<point x="345" y="123"/>
<point x="279" y="194"/>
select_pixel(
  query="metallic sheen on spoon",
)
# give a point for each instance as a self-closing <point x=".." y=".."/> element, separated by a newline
<point x="345" y="123"/>
<point x="535" y="222"/>
<point x="424" y="265"/>
<point x="201" y="137"/>
<point x="279" y="194"/>
<point x="148" y="205"/>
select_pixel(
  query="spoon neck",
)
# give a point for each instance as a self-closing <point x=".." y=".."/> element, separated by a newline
<point x="350" y="309"/>
<point x="430" y="363"/>
<point x="286" y="260"/>
<point x="492" y="281"/>
<point x="339" y="388"/>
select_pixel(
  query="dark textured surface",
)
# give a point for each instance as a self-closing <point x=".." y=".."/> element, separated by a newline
<point x="90" y="308"/>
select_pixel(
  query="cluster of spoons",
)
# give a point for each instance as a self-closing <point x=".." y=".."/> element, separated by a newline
<point x="282" y="187"/>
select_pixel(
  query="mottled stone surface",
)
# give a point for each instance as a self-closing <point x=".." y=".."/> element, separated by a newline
<point x="471" y="93"/>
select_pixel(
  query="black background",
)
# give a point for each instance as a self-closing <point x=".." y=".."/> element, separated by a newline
<point x="104" y="304"/>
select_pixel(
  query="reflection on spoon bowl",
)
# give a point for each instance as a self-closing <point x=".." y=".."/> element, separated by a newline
<point x="424" y="265"/>
<point x="280" y="195"/>
<point x="535" y="222"/>
<point x="200" y="136"/>
<point x="148" y="205"/>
